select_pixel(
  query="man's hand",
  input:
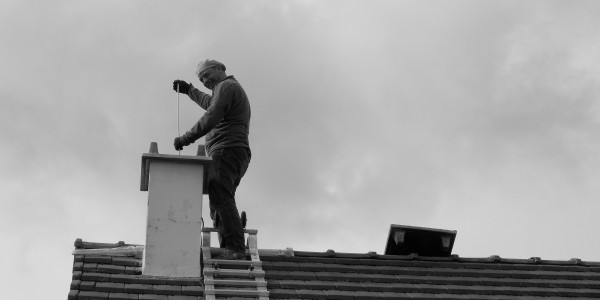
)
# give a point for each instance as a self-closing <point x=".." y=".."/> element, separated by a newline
<point x="184" y="87"/>
<point x="180" y="142"/>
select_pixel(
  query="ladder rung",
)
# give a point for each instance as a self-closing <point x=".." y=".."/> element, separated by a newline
<point x="212" y="229"/>
<point x="225" y="292"/>
<point x="209" y="251"/>
<point x="266" y="252"/>
<point x="233" y="272"/>
<point x="238" y="262"/>
<point x="231" y="282"/>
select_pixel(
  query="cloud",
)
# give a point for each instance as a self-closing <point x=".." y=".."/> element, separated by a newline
<point x="469" y="115"/>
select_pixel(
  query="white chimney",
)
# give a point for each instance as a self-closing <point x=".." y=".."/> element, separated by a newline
<point x="175" y="185"/>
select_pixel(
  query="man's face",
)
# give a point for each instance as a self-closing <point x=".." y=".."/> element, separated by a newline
<point x="210" y="77"/>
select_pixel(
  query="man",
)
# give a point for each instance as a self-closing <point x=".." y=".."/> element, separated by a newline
<point x="226" y="125"/>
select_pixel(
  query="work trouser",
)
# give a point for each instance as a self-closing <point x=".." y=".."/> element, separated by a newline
<point x="228" y="167"/>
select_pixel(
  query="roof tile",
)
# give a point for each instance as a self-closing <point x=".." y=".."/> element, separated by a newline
<point x="90" y="295"/>
<point x="76" y="275"/>
<point x="379" y="287"/>
<point x="372" y="269"/>
<point x="311" y="294"/>
<point x="126" y="261"/>
<point x="371" y="295"/>
<point x="151" y="280"/>
<point x="153" y="297"/>
<point x="180" y="297"/>
<point x="312" y="267"/>
<point x="78" y="266"/>
<point x="349" y="286"/>
<point x="124" y="278"/>
<point x="380" y="262"/>
<point x="93" y="276"/>
<point x="287" y="266"/>
<point x="321" y="285"/>
<point x="75" y="284"/>
<point x="112" y="269"/>
<point x="332" y="276"/>
<point x="133" y="271"/>
<point x="111" y="287"/>
<point x="192" y="290"/>
<point x="397" y="296"/>
<point x="87" y="285"/>
<point x="90" y="267"/>
<point x="122" y="296"/>
<point x="183" y="281"/>
<point x="292" y="284"/>
<point x="340" y="268"/>
<point x="303" y="275"/>
<point x="344" y="295"/>
<point x="101" y="259"/>
<point x="167" y="289"/>
<point x="137" y="288"/>
<point x="282" y="294"/>
<point x="276" y="274"/>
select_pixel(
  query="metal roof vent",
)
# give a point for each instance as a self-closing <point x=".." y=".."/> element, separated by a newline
<point x="405" y="240"/>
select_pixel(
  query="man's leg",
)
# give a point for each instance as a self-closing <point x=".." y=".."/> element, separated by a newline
<point x="229" y="166"/>
<point x="217" y="224"/>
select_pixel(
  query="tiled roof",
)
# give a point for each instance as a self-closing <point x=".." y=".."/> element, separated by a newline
<point x="102" y="276"/>
<point x="331" y="275"/>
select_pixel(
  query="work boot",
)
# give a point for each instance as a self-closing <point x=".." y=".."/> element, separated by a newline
<point x="231" y="255"/>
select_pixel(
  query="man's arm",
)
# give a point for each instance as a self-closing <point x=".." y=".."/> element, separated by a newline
<point x="201" y="98"/>
<point x="218" y="105"/>
<point x="196" y="95"/>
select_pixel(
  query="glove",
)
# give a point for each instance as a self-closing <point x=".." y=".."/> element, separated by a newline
<point x="184" y="87"/>
<point x="180" y="142"/>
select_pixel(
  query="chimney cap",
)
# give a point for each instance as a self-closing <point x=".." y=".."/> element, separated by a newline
<point x="147" y="158"/>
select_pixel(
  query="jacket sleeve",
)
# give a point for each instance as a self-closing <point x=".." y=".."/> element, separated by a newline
<point x="201" y="98"/>
<point x="215" y="112"/>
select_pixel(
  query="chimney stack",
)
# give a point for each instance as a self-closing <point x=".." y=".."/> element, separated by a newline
<point x="175" y="185"/>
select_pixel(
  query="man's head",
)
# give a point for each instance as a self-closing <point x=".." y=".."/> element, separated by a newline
<point x="210" y="72"/>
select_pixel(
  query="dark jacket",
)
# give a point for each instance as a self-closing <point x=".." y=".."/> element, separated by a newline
<point x="226" y="122"/>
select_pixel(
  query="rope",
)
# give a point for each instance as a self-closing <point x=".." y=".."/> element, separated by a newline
<point x="178" y="130"/>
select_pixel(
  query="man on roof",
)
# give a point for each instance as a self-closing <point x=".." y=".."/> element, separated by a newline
<point x="225" y="125"/>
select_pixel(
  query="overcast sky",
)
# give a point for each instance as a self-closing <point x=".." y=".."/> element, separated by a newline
<point x="475" y="116"/>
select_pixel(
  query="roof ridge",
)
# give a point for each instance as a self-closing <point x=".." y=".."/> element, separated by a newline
<point x="454" y="257"/>
<point x="92" y="248"/>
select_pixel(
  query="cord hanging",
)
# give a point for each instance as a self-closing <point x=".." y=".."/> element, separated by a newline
<point x="178" y="130"/>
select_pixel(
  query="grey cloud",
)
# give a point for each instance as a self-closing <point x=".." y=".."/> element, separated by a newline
<point x="456" y="115"/>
